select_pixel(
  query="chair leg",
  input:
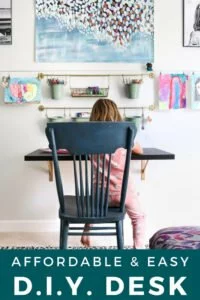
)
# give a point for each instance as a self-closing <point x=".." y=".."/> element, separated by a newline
<point x="123" y="229"/>
<point x="120" y="238"/>
<point x="64" y="226"/>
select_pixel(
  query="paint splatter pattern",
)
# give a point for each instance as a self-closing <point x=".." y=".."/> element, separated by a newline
<point x="112" y="21"/>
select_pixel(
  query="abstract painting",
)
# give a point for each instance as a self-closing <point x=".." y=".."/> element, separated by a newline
<point x="5" y="22"/>
<point x="172" y="91"/>
<point x="195" y="91"/>
<point x="191" y="21"/>
<point x="22" y="90"/>
<point x="95" y="31"/>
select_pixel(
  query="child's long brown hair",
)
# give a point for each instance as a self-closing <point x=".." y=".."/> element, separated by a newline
<point x="105" y="110"/>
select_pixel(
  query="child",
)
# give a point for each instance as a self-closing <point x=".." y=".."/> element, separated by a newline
<point x="106" y="110"/>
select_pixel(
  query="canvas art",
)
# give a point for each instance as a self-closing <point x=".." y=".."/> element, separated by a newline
<point x="5" y="22"/>
<point x="22" y="90"/>
<point x="95" y="31"/>
<point x="191" y="36"/>
<point x="195" y="91"/>
<point x="172" y="91"/>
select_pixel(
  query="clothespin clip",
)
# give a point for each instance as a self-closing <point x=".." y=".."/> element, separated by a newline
<point x="5" y="81"/>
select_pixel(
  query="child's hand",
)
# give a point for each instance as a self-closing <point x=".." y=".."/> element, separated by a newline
<point x="137" y="149"/>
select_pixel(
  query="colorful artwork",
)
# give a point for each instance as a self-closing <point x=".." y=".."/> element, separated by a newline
<point x="95" y="31"/>
<point x="22" y="90"/>
<point x="195" y="91"/>
<point x="172" y="91"/>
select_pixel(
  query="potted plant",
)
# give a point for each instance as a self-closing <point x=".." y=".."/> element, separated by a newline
<point x="57" y="88"/>
<point x="133" y="88"/>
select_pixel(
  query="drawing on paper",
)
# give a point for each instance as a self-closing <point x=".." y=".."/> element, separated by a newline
<point x="195" y="91"/>
<point x="172" y="91"/>
<point x="95" y="31"/>
<point x="22" y="90"/>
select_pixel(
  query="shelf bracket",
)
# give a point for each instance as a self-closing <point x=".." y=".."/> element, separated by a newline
<point x="50" y="170"/>
<point x="144" y="164"/>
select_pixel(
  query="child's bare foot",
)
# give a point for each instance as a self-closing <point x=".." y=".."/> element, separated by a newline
<point x="85" y="239"/>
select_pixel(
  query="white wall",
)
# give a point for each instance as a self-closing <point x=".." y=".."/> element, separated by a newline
<point x="170" y="193"/>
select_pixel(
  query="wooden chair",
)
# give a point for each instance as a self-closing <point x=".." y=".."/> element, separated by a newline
<point x="89" y="143"/>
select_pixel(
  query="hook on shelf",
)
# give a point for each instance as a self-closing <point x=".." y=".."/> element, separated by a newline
<point x="42" y="108"/>
<point x="40" y="76"/>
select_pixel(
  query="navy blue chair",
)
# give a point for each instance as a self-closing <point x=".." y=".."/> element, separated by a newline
<point x="91" y="142"/>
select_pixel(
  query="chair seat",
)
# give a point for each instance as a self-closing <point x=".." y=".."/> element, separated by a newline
<point x="186" y="237"/>
<point x="70" y="213"/>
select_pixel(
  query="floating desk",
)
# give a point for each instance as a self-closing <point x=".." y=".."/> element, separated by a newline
<point x="149" y="154"/>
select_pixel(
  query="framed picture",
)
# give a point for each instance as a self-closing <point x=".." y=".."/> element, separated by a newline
<point x="94" y="31"/>
<point x="5" y="22"/>
<point x="191" y="23"/>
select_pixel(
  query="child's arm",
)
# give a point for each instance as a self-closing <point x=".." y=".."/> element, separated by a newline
<point x="137" y="149"/>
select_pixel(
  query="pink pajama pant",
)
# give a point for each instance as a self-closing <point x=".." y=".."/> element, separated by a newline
<point x="136" y="214"/>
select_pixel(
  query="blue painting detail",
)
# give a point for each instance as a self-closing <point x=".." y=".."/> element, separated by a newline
<point x="72" y="36"/>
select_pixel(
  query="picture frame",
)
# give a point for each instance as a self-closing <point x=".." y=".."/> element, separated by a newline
<point x="127" y="35"/>
<point x="5" y="22"/>
<point x="191" y="23"/>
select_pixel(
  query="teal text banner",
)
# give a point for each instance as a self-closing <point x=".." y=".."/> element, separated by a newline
<point x="99" y="274"/>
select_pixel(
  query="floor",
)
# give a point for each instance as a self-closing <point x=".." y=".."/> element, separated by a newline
<point x="49" y="239"/>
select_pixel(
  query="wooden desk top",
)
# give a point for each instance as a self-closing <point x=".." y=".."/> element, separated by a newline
<point x="149" y="154"/>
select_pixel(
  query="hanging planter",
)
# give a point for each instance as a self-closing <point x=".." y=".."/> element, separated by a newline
<point x="135" y="119"/>
<point x="57" y="88"/>
<point x="133" y="88"/>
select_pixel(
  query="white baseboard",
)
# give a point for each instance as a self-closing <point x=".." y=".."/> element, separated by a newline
<point x="29" y="226"/>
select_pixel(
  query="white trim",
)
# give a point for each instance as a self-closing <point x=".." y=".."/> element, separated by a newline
<point x="29" y="226"/>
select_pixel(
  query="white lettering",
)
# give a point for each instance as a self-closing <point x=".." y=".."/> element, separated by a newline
<point x="159" y="289"/>
<point x="109" y="286"/>
<point x="27" y="260"/>
<point x="74" y="285"/>
<point x="60" y="261"/>
<point x="73" y="261"/>
<point x="184" y="261"/>
<point x="48" y="261"/>
<point x="17" y="281"/>
<point x="133" y="286"/>
<point x="151" y="261"/>
<point x="49" y="286"/>
<point x="173" y="286"/>
<point x="16" y="262"/>
<point x="37" y="260"/>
